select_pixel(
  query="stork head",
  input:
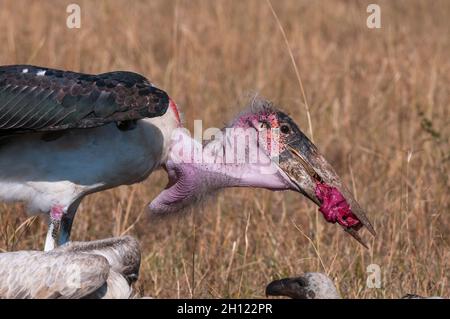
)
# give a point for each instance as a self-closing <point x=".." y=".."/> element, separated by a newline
<point x="262" y="147"/>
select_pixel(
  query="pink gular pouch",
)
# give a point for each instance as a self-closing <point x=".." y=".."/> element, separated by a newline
<point x="334" y="207"/>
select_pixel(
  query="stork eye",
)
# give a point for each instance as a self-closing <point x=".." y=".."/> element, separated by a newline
<point x="285" y="129"/>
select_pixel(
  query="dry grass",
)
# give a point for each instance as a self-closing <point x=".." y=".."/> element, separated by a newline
<point x="379" y="103"/>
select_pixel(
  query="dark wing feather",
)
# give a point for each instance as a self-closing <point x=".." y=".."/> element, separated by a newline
<point x="40" y="99"/>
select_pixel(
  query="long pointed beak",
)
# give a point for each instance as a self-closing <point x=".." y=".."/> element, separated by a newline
<point x="316" y="179"/>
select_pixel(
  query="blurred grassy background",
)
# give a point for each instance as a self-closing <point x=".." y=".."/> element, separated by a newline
<point x="379" y="101"/>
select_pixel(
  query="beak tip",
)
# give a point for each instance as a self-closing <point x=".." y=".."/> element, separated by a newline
<point x="371" y="229"/>
<point x="354" y="233"/>
<point x="365" y="222"/>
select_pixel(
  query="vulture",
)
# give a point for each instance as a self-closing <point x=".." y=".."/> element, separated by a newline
<point x="101" y="269"/>
<point x="313" y="285"/>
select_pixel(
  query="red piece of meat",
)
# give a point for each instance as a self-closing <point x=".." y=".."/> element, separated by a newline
<point x="334" y="206"/>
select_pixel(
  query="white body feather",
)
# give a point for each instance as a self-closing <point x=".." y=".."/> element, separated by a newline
<point x="59" y="172"/>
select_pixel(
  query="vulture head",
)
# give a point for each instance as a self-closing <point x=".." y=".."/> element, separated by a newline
<point x="312" y="285"/>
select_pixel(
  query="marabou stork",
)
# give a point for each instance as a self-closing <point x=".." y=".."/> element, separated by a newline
<point x="64" y="135"/>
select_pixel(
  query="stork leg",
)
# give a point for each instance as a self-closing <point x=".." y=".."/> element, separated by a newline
<point x="50" y="242"/>
<point x="56" y="214"/>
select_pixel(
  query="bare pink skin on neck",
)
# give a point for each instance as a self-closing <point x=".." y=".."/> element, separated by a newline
<point x="189" y="179"/>
<point x="174" y="108"/>
<point x="334" y="206"/>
